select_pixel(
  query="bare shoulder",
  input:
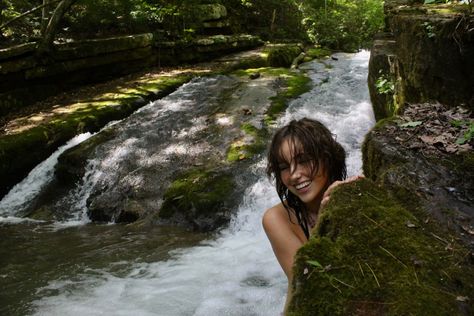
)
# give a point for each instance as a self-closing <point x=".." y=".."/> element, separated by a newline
<point x="277" y="221"/>
<point x="275" y="216"/>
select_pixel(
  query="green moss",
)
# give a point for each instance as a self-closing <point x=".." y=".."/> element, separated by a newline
<point x="371" y="256"/>
<point x="318" y="52"/>
<point x="196" y="192"/>
<point x="282" y="55"/>
<point x="297" y="84"/>
<point x="254" y="142"/>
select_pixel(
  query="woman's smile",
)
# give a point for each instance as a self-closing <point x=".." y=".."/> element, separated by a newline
<point x="303" y="185"/>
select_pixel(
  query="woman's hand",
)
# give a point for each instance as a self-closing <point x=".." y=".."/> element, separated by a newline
<point x="330" y="189"/>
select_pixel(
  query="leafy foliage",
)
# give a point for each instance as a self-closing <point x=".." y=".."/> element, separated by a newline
<point x="343" y="24"/>
<point x="336" y="24"/>
<point x="384" y="85"/>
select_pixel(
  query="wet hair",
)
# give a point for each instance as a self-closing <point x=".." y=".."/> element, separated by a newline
<point x="316" y="144"/>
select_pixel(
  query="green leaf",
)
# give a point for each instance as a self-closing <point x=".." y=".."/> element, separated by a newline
<point x="315" y="263"/>
<point x="411" y="124"/>
<point x="461" y="140"/>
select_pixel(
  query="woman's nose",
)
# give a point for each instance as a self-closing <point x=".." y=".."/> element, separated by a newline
<point x="295" y="171"/>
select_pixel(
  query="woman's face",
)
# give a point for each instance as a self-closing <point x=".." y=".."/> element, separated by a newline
<point x="295" y="172"/>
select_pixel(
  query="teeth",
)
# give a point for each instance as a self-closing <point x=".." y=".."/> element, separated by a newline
<point x="302" y="185"/>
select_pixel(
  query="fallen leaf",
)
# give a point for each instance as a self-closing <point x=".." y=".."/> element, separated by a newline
<point x="462" y="298"/>
<point x="468" y="230"/>
<point x="427" y="139"/>
<point x="411" y="124"/>
<point x="451" y="148"/>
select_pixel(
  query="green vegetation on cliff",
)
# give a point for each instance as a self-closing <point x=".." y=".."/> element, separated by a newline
<point x="369" y="255"/>
<point x="341" y="24"/>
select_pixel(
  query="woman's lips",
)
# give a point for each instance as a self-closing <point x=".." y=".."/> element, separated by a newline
<point x="301" y="187"/>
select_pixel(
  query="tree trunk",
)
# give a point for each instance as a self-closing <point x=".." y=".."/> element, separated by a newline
<point x="52" y="27"/>
<point x="45" y="15"/>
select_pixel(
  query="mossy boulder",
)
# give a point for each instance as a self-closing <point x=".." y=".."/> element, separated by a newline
<point x="209" y="12"/>
<point x="369" y="255"/>
<point x="282" y="55"/>
<point x="199" y="197"/>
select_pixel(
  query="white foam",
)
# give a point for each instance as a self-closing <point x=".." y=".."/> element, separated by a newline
<point x="25" y="191"/>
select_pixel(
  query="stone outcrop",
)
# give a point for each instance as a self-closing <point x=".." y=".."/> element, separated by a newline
<point x="427" y="54"/>
<point x="25" y="77"/>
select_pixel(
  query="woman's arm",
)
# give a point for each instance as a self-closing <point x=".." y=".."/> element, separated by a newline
<point x="282" y="237"/>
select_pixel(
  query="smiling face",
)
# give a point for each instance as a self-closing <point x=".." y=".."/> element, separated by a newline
<point x="303" y="175"/>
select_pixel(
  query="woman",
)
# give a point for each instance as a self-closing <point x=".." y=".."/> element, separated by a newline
<point x="307" y="164"/>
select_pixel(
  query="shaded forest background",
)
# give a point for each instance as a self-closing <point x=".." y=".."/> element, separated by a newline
<point x="337" y="24"/>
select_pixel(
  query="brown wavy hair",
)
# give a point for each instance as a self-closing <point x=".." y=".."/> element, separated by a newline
<point x="317" y="143"/>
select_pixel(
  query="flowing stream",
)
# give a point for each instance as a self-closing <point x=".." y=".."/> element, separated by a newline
<point x="78" y="268"/>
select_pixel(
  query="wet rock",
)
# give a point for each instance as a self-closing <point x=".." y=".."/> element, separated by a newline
<point x="419" y="175"/>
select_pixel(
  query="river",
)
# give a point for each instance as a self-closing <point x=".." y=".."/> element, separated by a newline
<point x="75" y="267"/>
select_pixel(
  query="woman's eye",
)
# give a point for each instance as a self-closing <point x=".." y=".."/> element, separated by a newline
<point x="304" y="159"/>
<point x="283" y="166"/>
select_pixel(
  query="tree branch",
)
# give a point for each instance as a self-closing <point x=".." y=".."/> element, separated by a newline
<point x="26" y="13"/>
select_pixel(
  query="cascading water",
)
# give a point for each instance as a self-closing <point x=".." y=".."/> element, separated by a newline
<point x="233" y="273"/>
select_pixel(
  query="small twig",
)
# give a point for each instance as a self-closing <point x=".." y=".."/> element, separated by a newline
<point x="442" y="291"/>
<point x="415" y="131"/>
<point x="348" y="285"/>
<point x="361" y="270"/>
<point x="393" y="256"/>
<point x="375" y="277"/>
<point x="330" y="282"/>
<point x="416" y="277"/>
<point x="373" y="221"/>
<point x="439" y="238"/>
<point x="380" y="200"/>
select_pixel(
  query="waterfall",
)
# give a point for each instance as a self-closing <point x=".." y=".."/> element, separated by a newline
<point x="13" y="204"/>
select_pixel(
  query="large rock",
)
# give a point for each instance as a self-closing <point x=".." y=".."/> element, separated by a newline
<point x="371" y="255"/>
<point x="434" y="53"/>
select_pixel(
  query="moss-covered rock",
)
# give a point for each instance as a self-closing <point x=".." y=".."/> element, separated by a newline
<point x="316" y="53"/>
<point x="282" y="55"/>
<point x="200" y="197"/>
<point x="369" y="255"/>
<point x="253" y="142"/>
